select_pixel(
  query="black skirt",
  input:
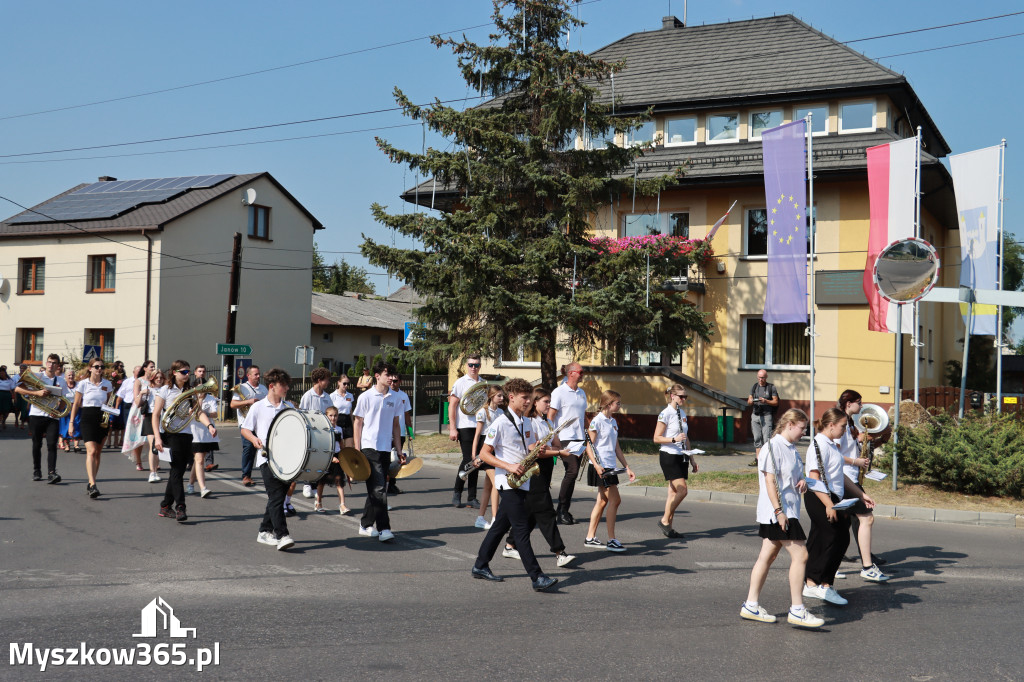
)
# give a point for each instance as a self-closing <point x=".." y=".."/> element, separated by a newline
<point x="674" y="466"/>
<point x="774" y="532"/>
<point x="600" y="481"/>
<point x="92" y="432"/>
<point x="204" y="447"/>
<point x="345" y="422"/>
<point x="335" y="475"/>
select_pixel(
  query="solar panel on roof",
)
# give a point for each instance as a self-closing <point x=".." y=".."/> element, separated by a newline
<point x="110" y="199"/>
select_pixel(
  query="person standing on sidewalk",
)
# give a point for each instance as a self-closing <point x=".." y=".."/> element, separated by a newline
<point x="462" y="428"/>
<point x="567" y="401"/>
<point x="764" y="399"/>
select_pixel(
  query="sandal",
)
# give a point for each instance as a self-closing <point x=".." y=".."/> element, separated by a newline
<point x="319" y="508"/>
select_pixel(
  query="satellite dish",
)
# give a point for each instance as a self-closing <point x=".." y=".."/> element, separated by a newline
<point x="249" y="197"/>
<point x="906" y="270"/>
<point x="3" y="285"/>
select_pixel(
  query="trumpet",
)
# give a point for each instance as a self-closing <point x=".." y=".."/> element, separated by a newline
<point x="55" y="405"/>
<point x="185" y="407"/>
<point x="871" y="419"/>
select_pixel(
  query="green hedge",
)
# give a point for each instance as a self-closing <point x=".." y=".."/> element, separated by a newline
<point x="979" y="455"/>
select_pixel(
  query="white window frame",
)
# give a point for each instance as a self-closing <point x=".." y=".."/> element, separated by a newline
<point x="750" y="121"/>
<point x="664" y="218"/>
<point x="874" y="113"/>
<point x="768" y="341"/>
<point x="822" y="105"/>
<point x="519" y="361"/>
<point x="632" y="142"/>
<point x="685" y="143"/>
<point x="707" y="128"/>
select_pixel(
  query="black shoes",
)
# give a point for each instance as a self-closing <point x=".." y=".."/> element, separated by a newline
<point x="472" y="504"/>
<point x="564" y="518"/>
<point x="53" y="477"/>
<point x="393" y="490"/>
<point x="166" y="512"/>
<point x="180" y="515"/>
<point x="668" y="531"/>
<point x="37" y="475"/>
<point x="544" y="583"/>
<point x="92" y="491"/>
<point x="457" y="500"/>
<point x="485" y="574"/>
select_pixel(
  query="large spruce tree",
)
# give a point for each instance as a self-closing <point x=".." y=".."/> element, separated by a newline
<point x="511" y="261"/>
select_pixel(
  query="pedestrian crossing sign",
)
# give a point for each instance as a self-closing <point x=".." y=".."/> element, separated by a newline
<point x="90" y="353"/>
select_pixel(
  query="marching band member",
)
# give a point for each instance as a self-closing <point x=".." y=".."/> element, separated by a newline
<point x="20" y="404"/>
<point x="118" y="379"/>
<point x="375" y="431"/>
<point x="863" y="519"/>
<point x="671" y="434"/>
<point x="316" y="399"/>
<point x="198" y="379"/>
<point x="404" y="420"/>
<point x="90" y="395"/>
<point x="256" y="392"/>
<point x="461" y="428"/>
<point x="7" y="385"/>
<point x="255" y="428"/>
<point x="180" y="444"/>
<point x="830" y="530"/>
<point x="568" y="400"/>
<point x="203" y="444"/>
<point x="67" y="429"/>
<point x="603" y="450"/>
<point x="343" y="400"/>
<point x="508" y="442"/>
<point x="126" y="402"/>
<point x="42" y="425"/>
<point x="780" y="483"/>
<point x="335" y="474"/>
<point x="485" y="416"/>
<point x="145" y="393"/>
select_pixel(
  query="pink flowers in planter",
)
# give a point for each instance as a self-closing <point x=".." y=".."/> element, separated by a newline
<point x="658" y="244"/>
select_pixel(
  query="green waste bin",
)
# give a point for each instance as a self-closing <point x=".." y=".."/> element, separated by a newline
<point x="726" y="426"/>
<point x="442" y="416"/>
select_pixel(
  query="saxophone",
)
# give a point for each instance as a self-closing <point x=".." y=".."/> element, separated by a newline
<point x="55" y="405"/>
<point x="530" y="465"/>
<point x="185" y="407"/>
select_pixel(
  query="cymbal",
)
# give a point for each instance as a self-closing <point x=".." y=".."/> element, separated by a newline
<point x="411" y="466"/>
<point x="354" y="464"/>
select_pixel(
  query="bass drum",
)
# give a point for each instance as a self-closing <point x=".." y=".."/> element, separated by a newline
<point x="300" y="445"/>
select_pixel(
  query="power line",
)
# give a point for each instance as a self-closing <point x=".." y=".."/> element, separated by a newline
<point x="933" y="28"/>
<point x="946" y="47"/>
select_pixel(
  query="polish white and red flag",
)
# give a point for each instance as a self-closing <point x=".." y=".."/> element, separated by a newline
<point x="891" y="178"/>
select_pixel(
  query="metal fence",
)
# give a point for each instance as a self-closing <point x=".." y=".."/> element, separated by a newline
<point x="947" y="399"/>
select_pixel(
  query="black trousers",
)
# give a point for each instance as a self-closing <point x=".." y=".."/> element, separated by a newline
<point x="41" y="427"/>
<point x="375" y="511"/>
<point x="826" y="543"/>
<point x="273" y="517"/>
<point x="541" y="509"/>
<point x="572" y="468"/>
<point x="466" y="443"/>
<point x="512" y="513"/>
<point x="180" y="445"/>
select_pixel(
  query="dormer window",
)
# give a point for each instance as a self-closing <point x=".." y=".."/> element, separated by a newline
<point x="680" y="131"/>
<point x="857" y="117"/>
<point x="763" y="120"/>
<point x="723" y="128"/>
<point x="819" y="117"/>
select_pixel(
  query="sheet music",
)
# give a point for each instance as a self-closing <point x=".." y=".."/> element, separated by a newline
<point x="695" y="451"/>
<point x="876" y="475"/>
<point x="576" y="447"/>
<point x="815" y="485"/>
<point x="845" y="504"/>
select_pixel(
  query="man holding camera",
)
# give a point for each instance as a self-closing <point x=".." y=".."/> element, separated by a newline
<point x="764" y="399"/>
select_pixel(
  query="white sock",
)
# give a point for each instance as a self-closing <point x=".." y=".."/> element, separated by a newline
<point x="752" y="605"/>
<point x="287" y="500"/>
<point x="797" y="610"/>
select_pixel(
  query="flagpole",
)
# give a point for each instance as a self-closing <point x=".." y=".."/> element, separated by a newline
<point x="999" y="282"/>
<point x="811" y="226"/>
<point x="915" y="340"/>
<point x="899" y="390"/>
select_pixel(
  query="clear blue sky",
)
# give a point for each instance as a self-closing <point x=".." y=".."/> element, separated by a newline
<point x="61" y="54"/>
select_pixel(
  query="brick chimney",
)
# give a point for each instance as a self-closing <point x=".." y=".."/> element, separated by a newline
<point x="106" y="178"/>
<point x="671" y="22"/>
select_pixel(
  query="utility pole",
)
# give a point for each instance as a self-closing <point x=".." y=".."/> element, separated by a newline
<point x="229" y="335"/>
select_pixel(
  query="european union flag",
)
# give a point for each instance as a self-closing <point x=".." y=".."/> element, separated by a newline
<point x="785" y="174"/>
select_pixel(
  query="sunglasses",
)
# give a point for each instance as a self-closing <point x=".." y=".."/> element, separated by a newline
<point x="473" y="364"/>
<point x="97" y="367"/>
<point x="344" y="383"/>
<point x="680" y="396"/>
<point x="183" y="372"/>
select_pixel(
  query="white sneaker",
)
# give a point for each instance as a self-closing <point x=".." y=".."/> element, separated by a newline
<point x="481" y="522"/>
<point x="833" y="597"/>
<point x="390" y="508"/>
<point x="874" y="574"/>
<point x="487" y="526"/>
<point x="285" y="542"/>
<point x="565" y="559"/>
<point x="307" y="490"/>
<point x="805" y="620"/>
<point x="761" y="616"/>
<point x="840" y="575"/>
<point x="154" y="477"/>
<point x="190" y="489"/>
<point x="266" y="538"/>
<point x="204" y="492"/>
<point x="510" y="553"/>
<point x="814" y="591"/>
<point x="370" y="532"/>
<point x="386" y="536"/>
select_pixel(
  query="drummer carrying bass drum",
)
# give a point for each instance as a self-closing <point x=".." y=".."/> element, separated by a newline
<point x="255" y="428"/>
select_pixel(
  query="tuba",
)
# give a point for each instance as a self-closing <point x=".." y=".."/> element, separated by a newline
<point x="871" y="419"/>
<point x="55" y="405"/>
<point x="474" y="398"/>
<point x="530" y="461"/>
<point x="185" y="407"/>
<point x="244" y="391"/>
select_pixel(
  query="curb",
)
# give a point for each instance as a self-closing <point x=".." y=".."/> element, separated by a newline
<point x="969" y="518"/>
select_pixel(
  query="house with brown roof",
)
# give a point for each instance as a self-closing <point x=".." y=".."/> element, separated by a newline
<point x="140" y="269"/>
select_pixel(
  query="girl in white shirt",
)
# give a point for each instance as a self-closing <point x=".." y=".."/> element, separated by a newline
<point x="202" y="444"/>
<point x="603" y="449"/>
<point x="90" y="394"/>
<point x="485" y="416"/>
<point x="780" y="483"/>
<point x="671" y="434"/>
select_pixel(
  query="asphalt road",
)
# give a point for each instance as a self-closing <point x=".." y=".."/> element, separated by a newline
<point x="340" y="606"/>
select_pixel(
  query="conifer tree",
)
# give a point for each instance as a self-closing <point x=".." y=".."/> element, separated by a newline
<point x="510" y="261"/>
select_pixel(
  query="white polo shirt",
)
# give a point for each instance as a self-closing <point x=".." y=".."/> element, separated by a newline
<point x="261" y="413"/>
<point x="200" y="432"/>
<point x="168" y="392"/>
<point x="791" y="471"/>
<point x="463" y="421"/>
<point x="831" y="460"/>
<point x="511" y="440"/>
<point x="259" y="392"/>
<point x="607" y="430"/>
<point x="127" y="390"/>
<point x="568" y="404"/>
<point x="34" y="411"/>
<point x="317" y="403"/>
<point x="849" y="447"/>
<point x="378" y="411"/>
<point x="404" y="405"/>
<point x="343" y="402"/>
<point x="93" y="395"/>
<point x="675" y="423"/>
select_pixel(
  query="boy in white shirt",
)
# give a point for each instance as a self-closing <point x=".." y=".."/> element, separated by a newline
<point x="375" y="432"/>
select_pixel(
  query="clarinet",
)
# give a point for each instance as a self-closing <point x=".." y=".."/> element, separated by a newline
<point x="679" y="416"/>
<point x="778" y="489"/>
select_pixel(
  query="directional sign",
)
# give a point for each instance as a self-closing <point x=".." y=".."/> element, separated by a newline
<point x="234" y="349"/>
<point x="90" y="353"/>
<point x="408" y="334"/>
